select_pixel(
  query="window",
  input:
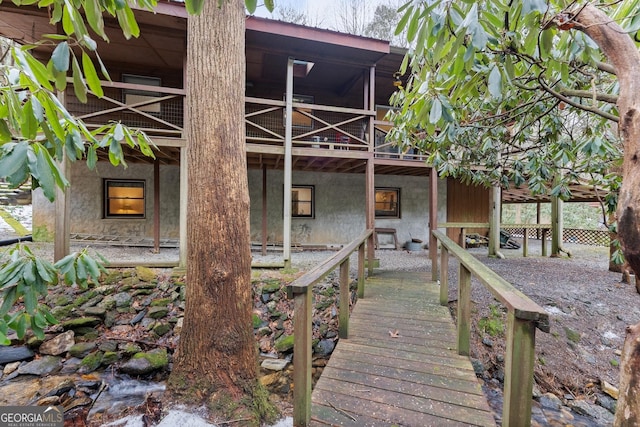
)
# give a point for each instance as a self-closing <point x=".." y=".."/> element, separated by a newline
<point x="299" y="120"/>
<point x="132" y="96"/>
<point x="387" y="203"/>
<point x="302" y="205"/>
<point x="123" y="199"/>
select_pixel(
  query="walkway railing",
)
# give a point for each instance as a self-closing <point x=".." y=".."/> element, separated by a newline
<point x="523" y="317"/>
<point x="301" y="290"/>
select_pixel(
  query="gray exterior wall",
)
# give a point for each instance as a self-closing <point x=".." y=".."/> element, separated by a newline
<point x="340" y="207"/>
<point x="87" y="203"/>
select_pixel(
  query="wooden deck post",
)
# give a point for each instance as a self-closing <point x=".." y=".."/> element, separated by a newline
<point x="370" y="210"/>
<point x="286" y="231"/>
<point x="361" y="271"/>
<point x="462" y="238"/>
<point x="433" y="222"/>
<point x="464" y="310"/>
<point x="444" y="276"/>
<point x="302" y="360"/>
<point x="525" y="242"/>
<point x="518" y="367"/>
<point x="345" y="298"/>
<point x="543" y="242"/>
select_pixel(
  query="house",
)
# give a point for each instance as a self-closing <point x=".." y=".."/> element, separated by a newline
<point x="340" y="176"/>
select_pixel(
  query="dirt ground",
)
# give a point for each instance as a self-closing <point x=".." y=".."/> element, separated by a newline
<point x="589" y="310"/>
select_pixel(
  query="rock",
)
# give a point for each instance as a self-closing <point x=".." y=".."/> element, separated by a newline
<point x="145" y="274"/>
<point x="178" y="326"/>
<point x="161" y="329"/>
<point x="80" y="322"/>
<point x="14" y="354"/>
<point x="609" y="389"/>
<point x="82" y="349"/>
<point x="60" y="344"/>
<point x="158" y="357"/>
<point x="486" y="341"/>
<point x="607" y="402"/>
<point x="271" y="287"/>
<point x="324" y="347"/>
<point x="599" y="413"/>
<point x="138" y="317"/>
<point x="270" y="379"/>
<point x="91" y="362"/>
<point x="550" y="400"/>
<point x="157" y="312"/>
<point x="109" y="358"/>
<point x="46" y="365"/>
<point x="95" y="311"/>
<point x="10" y="368"/>
<point x="161" y="302"/>
<point x="92" y="302"/>
<point x="137" y="367"/>
<point x="122" y="299"/>
<point x="478" y="367"/>
<point x="109" y="346"/>
<point x="284" y="343"/>
<point x="71" y="365"/>
<point x="274" y="364"/>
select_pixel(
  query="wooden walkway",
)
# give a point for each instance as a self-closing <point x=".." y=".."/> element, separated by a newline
<point x="399" y="366"/>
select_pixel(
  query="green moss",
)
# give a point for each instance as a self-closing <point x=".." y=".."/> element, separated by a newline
<point x="572" y="335"/>
<point x="145" y="274"/>
<point x="492" y="324"/>
<point x="109" y="358"/>
<point x="161" y="302"/>
<point x="261" y="406"/>
<point x="284" y="343"/>
<point x="92" y="361"/>
<point x="157" y="358"/>
<point x="614" y="363"/>
<point x="161" y="328"/>
<point x="257" y="321"/>
<point x="42" y="234"/>
<point x="270" y="288"/>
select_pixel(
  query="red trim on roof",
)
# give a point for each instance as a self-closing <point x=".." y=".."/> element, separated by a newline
<point x="321" y="35"/>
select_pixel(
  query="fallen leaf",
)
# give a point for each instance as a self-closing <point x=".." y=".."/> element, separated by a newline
<point x="394" y="334"/>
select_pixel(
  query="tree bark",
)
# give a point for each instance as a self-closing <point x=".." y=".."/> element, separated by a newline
<point x="217" y="355"/>
<point x="625" y="58"/>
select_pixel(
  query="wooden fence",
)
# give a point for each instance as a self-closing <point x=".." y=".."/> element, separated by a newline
<point x="301" y="290"/>
<point x="523" y="317"/>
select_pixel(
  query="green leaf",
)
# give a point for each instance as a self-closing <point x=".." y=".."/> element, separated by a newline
<point x="92" y="77"/>
<point x="79" y="86"/>
<point x="29" y="123"/>
<point x="194" y="7"/>
<point x="495" y="83"/>
<point x="60" y="57"/>
<point x="127" y="22"/>
<point x="115" y="152"/>
<point x="92" y="157"/>
<point x="93" y="12"/>
<point x="436" y="111"/>
<point x="251" y="6"/>
<point x="12" y="157"/>
<point x="5" y="133"/>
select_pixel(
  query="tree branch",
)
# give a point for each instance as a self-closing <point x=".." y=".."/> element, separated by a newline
<point x="574" y="104"/>
<point x="604" y="97"/>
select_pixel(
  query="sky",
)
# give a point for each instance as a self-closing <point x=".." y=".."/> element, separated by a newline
<point x="322" y="13"/>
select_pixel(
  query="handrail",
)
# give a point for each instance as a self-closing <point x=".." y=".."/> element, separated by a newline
<point x="523" y="317"/>
<point x="300" y="291"/>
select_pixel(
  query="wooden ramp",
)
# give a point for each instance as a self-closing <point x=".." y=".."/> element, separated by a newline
<point x="399" y="366"/>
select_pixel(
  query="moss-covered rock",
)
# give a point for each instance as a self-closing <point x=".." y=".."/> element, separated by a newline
<point x="158" y="358"/>
<point x="145" y="274"/>
<point x="91" y="362"/>
<point x="161" y="302"/>
<point x="284" y="343"/>
<point x="88" y="321"/>
<point x="157" y="312"/>
<point x="161" y="328"/>
<point x="257" y="321"/>
<point x="109" y="358"/>
<point x="82" y="349"/>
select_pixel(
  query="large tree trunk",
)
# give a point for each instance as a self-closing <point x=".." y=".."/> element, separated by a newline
<point x="216" y="356"/>
<point x="625" y="58"/>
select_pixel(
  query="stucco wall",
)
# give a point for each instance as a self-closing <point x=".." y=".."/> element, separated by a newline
<point x="87" y="200"/>
<point x="340" y="207"/>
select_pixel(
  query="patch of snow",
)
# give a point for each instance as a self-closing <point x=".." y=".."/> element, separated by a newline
<point x="182" y="419"/>
<point x="610" y="335"/>
<point x="554" y="310"/>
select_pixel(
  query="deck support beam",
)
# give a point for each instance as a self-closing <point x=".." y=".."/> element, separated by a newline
<point x="302" y="362"/>
<point x="345" y="299"/>
<point x="286" y="232"/>
<point x="557" y="225"/>
<point x="433" y="222"/>
<point x="464" y="310"/>
<point x="494" y="221"/>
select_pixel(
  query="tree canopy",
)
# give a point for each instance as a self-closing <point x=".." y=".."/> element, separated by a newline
<point x="502" y="93"/>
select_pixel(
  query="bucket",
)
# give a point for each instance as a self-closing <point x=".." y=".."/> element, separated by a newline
<point x="412" y="246"/>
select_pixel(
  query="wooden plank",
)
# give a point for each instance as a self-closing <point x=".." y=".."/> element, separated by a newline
<point x="382" y="411"/>
<point x="407" y="386"/>
<point x="394" y="402"/>
<point x="454" y="360"/>
<point x="421" y="374"/>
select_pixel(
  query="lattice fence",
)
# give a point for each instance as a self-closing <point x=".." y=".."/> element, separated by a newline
<point x="570" y="235"/>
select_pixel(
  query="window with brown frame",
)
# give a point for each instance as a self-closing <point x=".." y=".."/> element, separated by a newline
<point x="124" y="198"/>
<point x="387" y="203"/>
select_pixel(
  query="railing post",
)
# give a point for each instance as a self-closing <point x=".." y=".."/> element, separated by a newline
<point x="444" y="276"/>
<point x="544" y="241"/>
<point x="525" y="242"/>
<point x="345" y="299"/>
<point x="462" y="240"/>
<point x="464" y="310"/>
<point x="302" y="360"/>
<point x="361" y="271"/>
<point x="518" y="375"/>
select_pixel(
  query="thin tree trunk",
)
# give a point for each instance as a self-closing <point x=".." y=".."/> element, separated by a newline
<point x="217" y="353"/>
